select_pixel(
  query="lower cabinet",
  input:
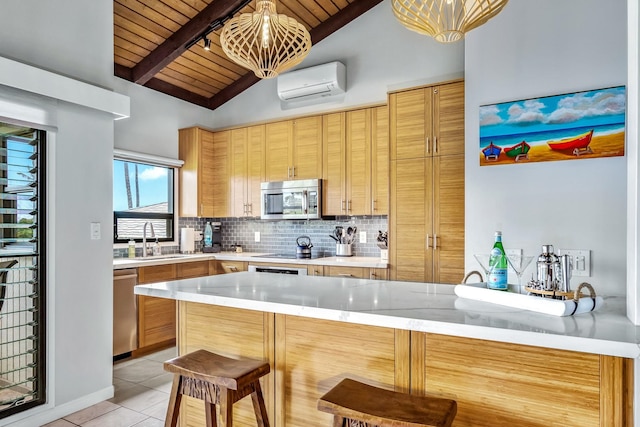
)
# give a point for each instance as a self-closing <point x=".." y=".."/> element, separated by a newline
<point x="157" y="316"/>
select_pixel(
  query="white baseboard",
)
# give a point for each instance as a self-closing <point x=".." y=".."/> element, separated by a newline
<point x="46" y="413"/>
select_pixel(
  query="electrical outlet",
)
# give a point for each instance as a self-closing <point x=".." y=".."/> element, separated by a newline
<point x="580" y="261"/>
<point x="363" y="237"/>
<point x="256" y="236"/>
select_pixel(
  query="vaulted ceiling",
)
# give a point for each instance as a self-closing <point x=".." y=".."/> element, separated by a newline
<point x="158" y="43"/>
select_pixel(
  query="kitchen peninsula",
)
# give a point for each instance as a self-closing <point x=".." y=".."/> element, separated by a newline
<point x="503" y="366"/>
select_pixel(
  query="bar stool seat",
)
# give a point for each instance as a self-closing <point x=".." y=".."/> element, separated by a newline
<point x="217" y="380"/>
<point x="355" y="404"/>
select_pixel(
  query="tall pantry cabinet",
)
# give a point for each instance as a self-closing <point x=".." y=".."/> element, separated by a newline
<point x="426" y="217"/>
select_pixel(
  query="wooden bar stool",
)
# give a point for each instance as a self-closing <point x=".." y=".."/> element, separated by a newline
<point x="355" y="404"/>
<point x="217" y="380"/>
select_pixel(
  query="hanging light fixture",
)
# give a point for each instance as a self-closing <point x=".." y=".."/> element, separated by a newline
<point x="264" y="41"/>
<point x="445" y="20"/>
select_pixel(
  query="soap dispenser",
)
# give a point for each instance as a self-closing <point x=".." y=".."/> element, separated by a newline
<point x="156" y="248"/>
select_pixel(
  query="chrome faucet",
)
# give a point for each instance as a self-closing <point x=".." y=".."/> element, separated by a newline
<point x="144" y="237"/>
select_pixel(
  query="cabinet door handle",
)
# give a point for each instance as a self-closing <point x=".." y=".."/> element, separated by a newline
<point x="288" y="171"/>
<point x="343" y="204"/>
<point x="293" y="169"/>
<point x="435" y="242"/>
<point x="345" y="275"/>
<point x="373" y="206"/>
<point x="427" y="144"/>
<point x="348" y="205"/>
<point x="435" y="144"/>
<point x="233" y="268"/>
<point x="249" y="208"/>
<point x="372" y="275"/>
<point x="428" y="244"/>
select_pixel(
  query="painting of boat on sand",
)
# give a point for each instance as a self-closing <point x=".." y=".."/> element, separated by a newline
<point x="579" y="125"/>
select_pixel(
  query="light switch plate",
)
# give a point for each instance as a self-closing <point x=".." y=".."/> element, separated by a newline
<point x="95" y="231"/>
<point x="256" y="236"/>
<point x="580" y="261"/>
<point x="363" y="237"/>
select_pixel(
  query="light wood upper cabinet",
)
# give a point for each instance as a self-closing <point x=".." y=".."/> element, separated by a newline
<point x="334" y="193"/>
<point x="196" y="149"/>
<point x="380" y="160"/>
<point x="278" y="141"/>
<point x="427" y="121"/>
<point x="219" y="172"/>
<point x="307" y="148"/>
<point x="356" y="162"/>
<point x="247" y="170"/>
<point x="358" y="183"/>
<point x="294" y="149"/>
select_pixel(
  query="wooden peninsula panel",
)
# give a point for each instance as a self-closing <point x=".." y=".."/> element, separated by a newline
<point x="501" y="384"/>
<point x="495" y="384"/>
<point x="230" y="332"/>
<point x="312" y="356"/>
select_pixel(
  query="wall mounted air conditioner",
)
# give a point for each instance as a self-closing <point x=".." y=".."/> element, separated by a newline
<point x="312" y="83"/>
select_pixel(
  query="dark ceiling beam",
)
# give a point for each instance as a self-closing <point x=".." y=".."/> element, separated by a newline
<point x="177" y="92"/>
<point x="176" y="44"/>
<point x="325" y="29"/>
<point x="164" y="87"/>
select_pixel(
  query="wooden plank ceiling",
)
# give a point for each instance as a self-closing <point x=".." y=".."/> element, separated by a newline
<point x="157" y="43"/>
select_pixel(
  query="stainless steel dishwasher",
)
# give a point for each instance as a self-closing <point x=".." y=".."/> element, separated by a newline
<point x="125" y="311"/>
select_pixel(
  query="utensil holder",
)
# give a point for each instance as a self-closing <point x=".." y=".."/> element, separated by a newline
<point x="343" y="249"/>
<point x="384" y="255"/>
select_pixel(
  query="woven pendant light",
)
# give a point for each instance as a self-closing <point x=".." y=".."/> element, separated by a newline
<point x="264" y="41"/>
<point x="445" y="20"/>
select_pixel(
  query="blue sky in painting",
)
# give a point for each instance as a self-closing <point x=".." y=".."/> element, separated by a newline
<point x="576" y="110"/>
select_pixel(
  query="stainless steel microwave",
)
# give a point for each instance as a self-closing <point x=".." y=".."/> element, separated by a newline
<point x="291" y="199"/>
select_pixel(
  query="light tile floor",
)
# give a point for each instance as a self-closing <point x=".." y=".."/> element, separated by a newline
<point x="140" y="399"/>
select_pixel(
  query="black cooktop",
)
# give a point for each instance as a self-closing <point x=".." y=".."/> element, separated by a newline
<point x="288" y="256"/>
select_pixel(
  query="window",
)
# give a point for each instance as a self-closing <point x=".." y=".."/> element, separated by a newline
<point x="142" y="193"/>
<point x="22" y="268"/>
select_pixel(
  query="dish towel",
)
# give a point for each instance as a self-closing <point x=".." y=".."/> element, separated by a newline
<point x="528" y="302"/>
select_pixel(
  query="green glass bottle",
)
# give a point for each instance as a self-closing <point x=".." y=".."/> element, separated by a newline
<point x="497" y="277"/>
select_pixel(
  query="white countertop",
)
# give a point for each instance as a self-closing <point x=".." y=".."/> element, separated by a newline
<point x="412" y="306"/>
<point x="353" y="261"/>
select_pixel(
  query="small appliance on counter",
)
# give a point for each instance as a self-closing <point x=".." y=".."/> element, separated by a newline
<point x="304" y="246"/>
<point x="216" y="239"/>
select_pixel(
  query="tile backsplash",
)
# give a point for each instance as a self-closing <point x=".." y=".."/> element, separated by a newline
<point x="280" y="236"/>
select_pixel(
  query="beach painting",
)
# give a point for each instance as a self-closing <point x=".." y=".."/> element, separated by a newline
<point x="579" y="125"/>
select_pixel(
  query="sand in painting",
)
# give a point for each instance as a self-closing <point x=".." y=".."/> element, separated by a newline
<point x="602" y="146"/>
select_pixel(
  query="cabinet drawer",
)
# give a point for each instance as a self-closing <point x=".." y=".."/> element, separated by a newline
<point x="315" y="270"/>
<point x="357" y="272"/>
<point x="378" y="274"/>
<point x="192" y="269"/>
<point x="157" y="273"/>
<point x="231" y="266"/>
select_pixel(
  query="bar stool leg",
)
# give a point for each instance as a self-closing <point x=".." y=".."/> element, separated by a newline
<point x="171" y="420"/>
<point x="338" y="421"/>
<point x="210" y="414"/>
<point x="259" y="407"/>
<point x="226" y="408"/>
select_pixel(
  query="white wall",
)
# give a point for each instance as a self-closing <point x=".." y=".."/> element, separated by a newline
<point x="379" y="54"/>
<point x="535" y="49"/>
<point x="155" y="120"/>
<point x="73" y="38"/>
